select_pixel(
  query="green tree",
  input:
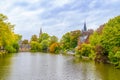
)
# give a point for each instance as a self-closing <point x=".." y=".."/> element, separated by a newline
<point x="25" y="41"/>
<point x="70" y="40"/>
<point x="95" y="39"/>
<point x="44" y="36"/>
<point x="53" y="39"/>
<point x="65" y="41"/>
<point x="35" y="46"/>
<point x="8" y="38"/>
<point x="111" y="34"/>
<point x="74" y="35"/>
<point x="44" y="45"/>
<point x="41" y="43"/>
<point x="108" y="39"/>
<point x="34" y="38"/>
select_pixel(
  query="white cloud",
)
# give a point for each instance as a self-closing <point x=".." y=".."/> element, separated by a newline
<point x="111" y="1"/>
<point x="55" y="17"/>
<point x="93" y="3"/>
<point x="60" y="3"/>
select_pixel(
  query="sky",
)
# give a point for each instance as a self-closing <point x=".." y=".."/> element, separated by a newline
<point x="56" y="17"/>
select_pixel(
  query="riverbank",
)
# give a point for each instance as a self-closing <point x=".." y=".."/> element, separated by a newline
<point x="2" y="53"/>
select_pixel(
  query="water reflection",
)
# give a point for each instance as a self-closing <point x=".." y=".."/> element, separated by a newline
<point x="107" y="72"/>
<point x="5" y="65"/>
<point x="43" y="66"/>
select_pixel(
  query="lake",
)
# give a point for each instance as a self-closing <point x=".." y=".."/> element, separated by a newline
<point x="44" y="66"/>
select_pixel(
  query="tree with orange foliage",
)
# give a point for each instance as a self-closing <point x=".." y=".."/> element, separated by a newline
<point x="54" y="48"/>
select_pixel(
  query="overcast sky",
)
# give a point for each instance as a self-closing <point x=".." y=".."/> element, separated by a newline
<point x="56" y="17"/>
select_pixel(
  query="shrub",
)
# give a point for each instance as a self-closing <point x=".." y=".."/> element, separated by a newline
<point x="16" y="46"/>
<point x="101" y="54"/>
<point x="85" y="50"/>
<point x="10" y="49"/>
<point x="112" y="58"/>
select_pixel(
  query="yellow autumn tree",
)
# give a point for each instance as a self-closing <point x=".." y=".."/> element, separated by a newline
<point x="8" y="39"/>
<point x="54" y="48"/>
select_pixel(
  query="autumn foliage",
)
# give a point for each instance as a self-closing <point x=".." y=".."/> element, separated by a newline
<point x="54" y="48"/>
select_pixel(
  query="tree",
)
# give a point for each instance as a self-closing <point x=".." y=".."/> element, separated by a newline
<point x="8" y="38"/>
<point x="53" y="39"/>
<point x="44" y="45"/>
<point x="110" y="39"/>
<point x="70" y="40"/>
<point x="85" y="50"/>
<point x="44" y="36"/>
<point x="34" y="38"/>
<point x="41" y="43"/>
<point x="25" y="41"/>
<point x="44" y="41"/>
<point x="111" y="34"/>
<point x="106" y="39"/>
<point x="3" y="17"/>
<point x="95" y="39"/>
<point x="74" y="35"/>
<point x="101" y="54"/>
<point x="65" y="41"/>
<point x="35" y="46"/>
<point x="54" y="48"/>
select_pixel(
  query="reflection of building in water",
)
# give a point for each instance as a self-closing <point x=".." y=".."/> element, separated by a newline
<point x="84" y="35"/>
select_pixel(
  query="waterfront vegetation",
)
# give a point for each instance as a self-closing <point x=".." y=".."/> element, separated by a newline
<point x="102" y="46"/>
<point x="8" y="39"/>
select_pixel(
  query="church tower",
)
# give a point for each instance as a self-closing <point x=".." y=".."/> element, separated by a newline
<point x="85" y="28"/>
<point x="40" y="32"/>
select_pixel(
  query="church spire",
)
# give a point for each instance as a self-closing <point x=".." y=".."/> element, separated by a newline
<point x="40" y="32"/>
<point x="85" y="28"/>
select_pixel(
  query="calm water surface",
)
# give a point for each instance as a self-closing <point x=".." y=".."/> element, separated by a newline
<point x="42" y="66"/>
